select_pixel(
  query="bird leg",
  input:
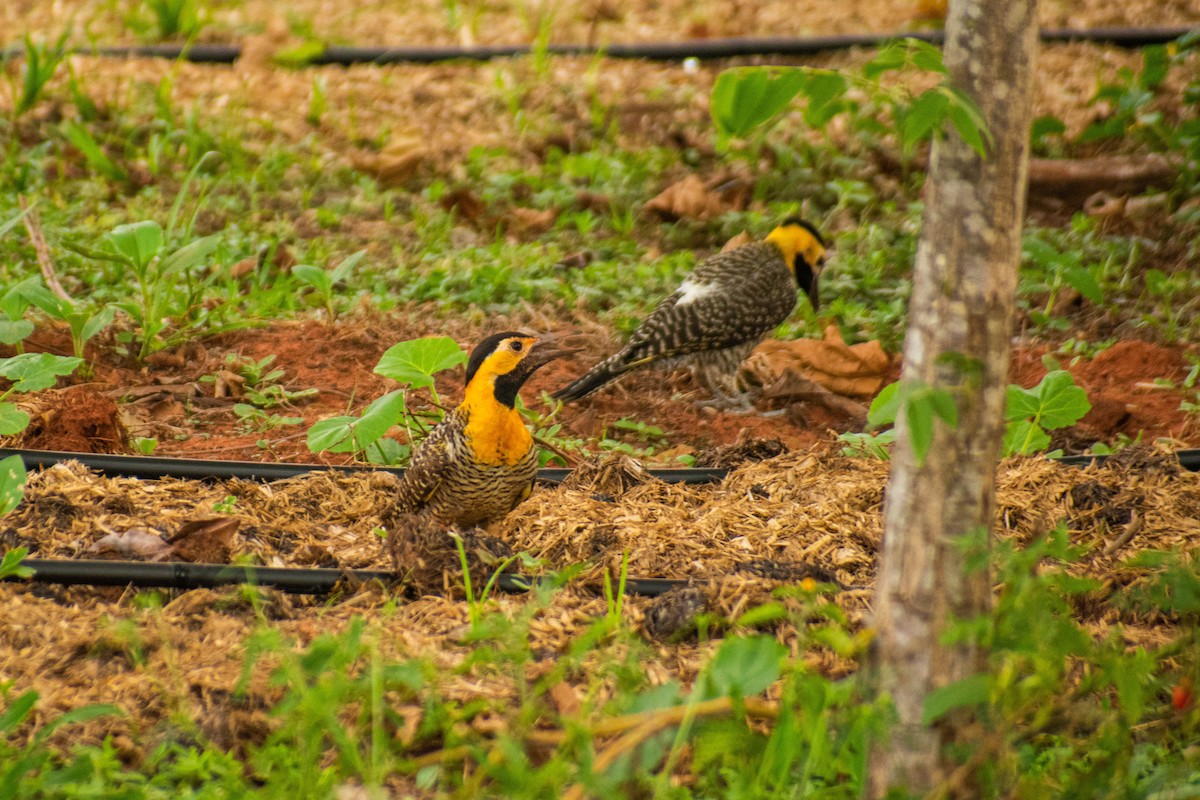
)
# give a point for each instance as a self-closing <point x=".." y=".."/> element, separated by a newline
<point x="734" y="402"/>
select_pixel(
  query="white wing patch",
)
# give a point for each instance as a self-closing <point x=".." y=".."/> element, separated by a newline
<point x="692" y="291"/>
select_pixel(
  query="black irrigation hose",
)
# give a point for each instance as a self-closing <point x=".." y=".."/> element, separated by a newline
<point x="153" y="467"/>
<point x="653" y="51"/>
<point x="185" y="575"/>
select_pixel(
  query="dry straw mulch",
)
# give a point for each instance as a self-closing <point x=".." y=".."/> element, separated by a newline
<point x="795" y="515"/>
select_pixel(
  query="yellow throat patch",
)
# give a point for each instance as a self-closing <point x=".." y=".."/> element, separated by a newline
<point x="793" y="240"/>
<point x="495" y="433"/>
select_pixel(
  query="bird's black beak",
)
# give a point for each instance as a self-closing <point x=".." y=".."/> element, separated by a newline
<point x="547" y="348"/>
<point x="806" y="279"/>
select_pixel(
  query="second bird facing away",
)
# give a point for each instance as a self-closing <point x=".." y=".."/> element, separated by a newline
<point x="479" y="462"/>
<point x="719" y="313"/>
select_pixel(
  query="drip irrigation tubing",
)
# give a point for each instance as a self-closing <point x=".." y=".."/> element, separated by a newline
<point x="196" y="469"/>
<point x="295" y="580"/>
<point x="315" y="581"/>
<point x="703" y="49"/>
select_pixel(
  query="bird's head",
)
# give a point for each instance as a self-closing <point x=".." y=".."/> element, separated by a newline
<point x="804" y="251"/>
<point x="504" y="361"/>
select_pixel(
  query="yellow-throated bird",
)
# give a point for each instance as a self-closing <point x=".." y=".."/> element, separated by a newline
<point x="719" y="313"/>
<point x="479" y="462"/>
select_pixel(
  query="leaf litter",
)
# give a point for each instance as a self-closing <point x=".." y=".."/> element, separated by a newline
<point x="799" y="514"/>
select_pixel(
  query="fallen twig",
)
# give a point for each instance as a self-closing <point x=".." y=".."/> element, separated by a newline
<point x="34" y="227"/>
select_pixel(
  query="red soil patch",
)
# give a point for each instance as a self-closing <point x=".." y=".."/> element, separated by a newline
<point x="172" y="404"/>
<point x="79" y="420"/>
<point x="1120" y="385"/>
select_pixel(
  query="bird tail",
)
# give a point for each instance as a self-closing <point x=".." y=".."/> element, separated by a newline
<point x="595" y="378"/>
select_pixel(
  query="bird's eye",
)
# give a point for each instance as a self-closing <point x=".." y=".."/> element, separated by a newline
<point x="516" y="347"/>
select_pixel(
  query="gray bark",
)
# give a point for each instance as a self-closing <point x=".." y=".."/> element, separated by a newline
<point x="962" y="305"/>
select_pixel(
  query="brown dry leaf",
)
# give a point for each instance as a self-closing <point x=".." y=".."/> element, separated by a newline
<point x="208" y="540"/>
<point x="243" y="268"/>
<point x="399" y="160"/>
<point x="689" y="198"/>
<point x="228" y="384"/>
<point x="132" y="543"/>
<point x="857" y="371"/>
<point x="593" y="201"/>
<point x="565" y="698"/>
<point x="532" y="221"/>
<point x="464" y="201"/>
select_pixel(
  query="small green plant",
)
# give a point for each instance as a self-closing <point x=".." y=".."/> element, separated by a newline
<point x="414" y="364"/>
<point x="323" y="281"/>
<point x="29" y="372"/>
<point x="1046" y="271"/>
<point x="159" y="20"/>
<point x="159" y="270"/>
<point x="1192" y="382"/>
<point x="1056" y="402"/>
<point x="82" y="321"/>
<point x="13" y="325"/>
<point x="254" y="419"/>
<point x="41" y="62"/>
<point x="87" y="144"/>
<point x="261" y="385"/>
<point x="747" y="100"/>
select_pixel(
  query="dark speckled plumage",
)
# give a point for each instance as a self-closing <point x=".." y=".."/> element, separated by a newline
<point x="716" y="317"/>
<point x="445" y="480"/>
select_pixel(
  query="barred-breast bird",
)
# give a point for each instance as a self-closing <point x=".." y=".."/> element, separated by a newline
<point x="719" y="313"/>
<point x="479" y="462"/>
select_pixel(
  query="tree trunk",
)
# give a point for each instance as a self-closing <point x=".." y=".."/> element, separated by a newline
<point x="960" y="322"/>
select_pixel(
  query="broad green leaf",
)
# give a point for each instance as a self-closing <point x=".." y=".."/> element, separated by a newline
<point x="1062" y="402"/>
<point x="139" y="242"/>
<point x="892" y="56"/>
<point x="885" y="406"/>
<point x="12" y="419"/>
<point x="189" y="255"/>
<point x="415" y="362"/>
<point x="381" y="414"/>
<point x="46" y="300"/>
<point x="825" y="91"/>
<point x="335" y="434"/>
<point x="313" y="276"/>
<point x="97" y="322"/>
<point x="1081" y="280"/>
<point x="343" y="270"/>
<point x="944" y="406"/>
<point x="10" y="564"/>
<point x="1155" y="64"/>
<point x="744" y="665"/>
<point x="1020" y="403"/>
<point x="32" y="372"/>
<point x="12" y="483"/>
<point x="970" y="691"/>
<point x="744" y="99"/>
<point x="1023" y="437"/>
<point x="14" y="330"/>
<point x="923" y="117"/>
<point x="925" y="56"/>
<point x="918" y="413"/>
<point x="969" y="124"/>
